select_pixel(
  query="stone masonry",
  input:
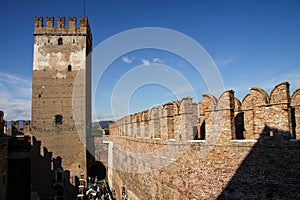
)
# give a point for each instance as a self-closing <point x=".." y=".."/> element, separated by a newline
<point x="61" y="85"/>
<point x="221" y="148"/>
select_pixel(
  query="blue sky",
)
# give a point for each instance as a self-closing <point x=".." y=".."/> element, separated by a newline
<point x="253" y="44"/>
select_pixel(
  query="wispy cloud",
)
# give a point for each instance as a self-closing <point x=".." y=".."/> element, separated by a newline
<point x="16" y="109"/>
<point x="15" y="98"/>
<point x="157" y="60"/>
<point x="128" y="60"/>
<point x="183" y="91"/>
<point x="242" y="88"/>
<point x="226" y="61"/>
<point x="292" y="78"/>
<point x="145" y="62"/>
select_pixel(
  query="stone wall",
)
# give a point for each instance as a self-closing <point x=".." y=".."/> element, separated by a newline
<point x="221" y="149"/>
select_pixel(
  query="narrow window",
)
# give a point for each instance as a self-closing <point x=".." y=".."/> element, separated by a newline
<point x="239" y="126"/>
<point x="202" y="131"/>
<point x="58" y="119"/>
<point x="60" y="41"/>
<point x="69" y="68"/>
<point x="199" y="131"/>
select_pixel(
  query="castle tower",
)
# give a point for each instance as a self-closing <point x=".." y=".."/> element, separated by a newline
<point x="61" y="85"/>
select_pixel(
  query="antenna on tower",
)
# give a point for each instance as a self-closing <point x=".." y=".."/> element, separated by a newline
<point x="84" y="8"/>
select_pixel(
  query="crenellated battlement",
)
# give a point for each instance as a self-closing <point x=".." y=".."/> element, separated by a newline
<point x="47" y="26"/>
<point x="258" y="113"/>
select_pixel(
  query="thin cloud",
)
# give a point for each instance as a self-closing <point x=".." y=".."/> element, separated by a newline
<point x="108" y="117"/>
<point x="13" y="79"/>
<point x="157" y="60"/>
<point x="15" y="98"/>
<point x="183" y="91"/>
<point x="145" y="62"/>
<point x="225" y="62"/>
<point x="243" y="88"/>
<point x="16" y="109"/>
<point x="292" y="78"/>
<point x="127" y="60"/>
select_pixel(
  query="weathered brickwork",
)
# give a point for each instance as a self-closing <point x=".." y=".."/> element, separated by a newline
<point x="61" y="84"/>
<point x="261" y="110"/>
<point x="295" y="104"/>
<point x="239" y="150"/>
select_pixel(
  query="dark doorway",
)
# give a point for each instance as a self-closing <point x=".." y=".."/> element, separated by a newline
<point x="99" y="170"/>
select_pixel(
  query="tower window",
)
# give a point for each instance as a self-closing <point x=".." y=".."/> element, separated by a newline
<point x="69" y="68"/>
<point x="58" y="119"/>
<point x="60" y="41"/>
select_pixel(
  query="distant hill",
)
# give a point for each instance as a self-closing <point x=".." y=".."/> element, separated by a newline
<point x="103" y="124"/>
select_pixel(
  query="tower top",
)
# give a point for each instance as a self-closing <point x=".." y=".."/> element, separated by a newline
<point x="48" y="28"/>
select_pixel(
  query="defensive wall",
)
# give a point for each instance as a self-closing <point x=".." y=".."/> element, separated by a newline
<point x="225" y="148"/>
<point x="14" y="128"/>
<point x="240" y="120"/>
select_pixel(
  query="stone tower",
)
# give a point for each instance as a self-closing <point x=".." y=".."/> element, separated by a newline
<point x="61" y="85"/>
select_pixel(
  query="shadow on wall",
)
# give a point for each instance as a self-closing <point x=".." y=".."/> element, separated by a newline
<point x="18" y="177"/>
<point x="48" y="179"/>
<point x="270" y="171"/>
<point x="98" y="170"/>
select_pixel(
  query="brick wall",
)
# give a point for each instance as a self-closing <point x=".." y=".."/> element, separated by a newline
<point x="61" y="90"/>
<point x="246" y="150"/>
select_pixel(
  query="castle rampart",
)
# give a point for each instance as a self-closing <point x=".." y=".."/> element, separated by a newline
<point x="165" y="122"/>
<point x="253" y="144"/>
<point x="19" y="127"/>
<point x="258" y="113"/>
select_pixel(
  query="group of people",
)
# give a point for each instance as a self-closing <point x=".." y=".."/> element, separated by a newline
<point x="97" y="189"/>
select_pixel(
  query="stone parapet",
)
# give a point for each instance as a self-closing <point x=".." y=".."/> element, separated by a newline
<point x="224" y="118"/>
